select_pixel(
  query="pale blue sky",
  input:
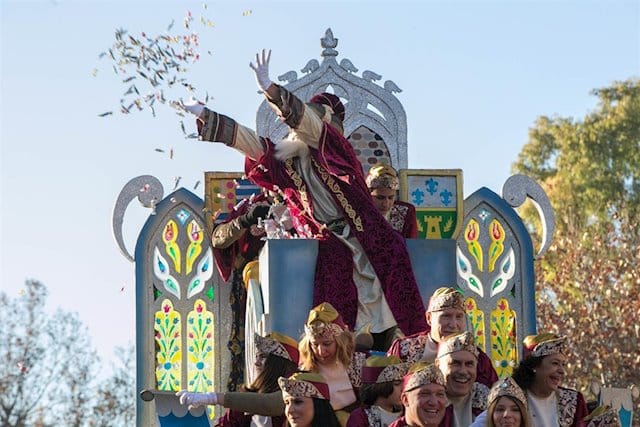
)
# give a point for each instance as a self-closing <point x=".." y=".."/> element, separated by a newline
<point x="475" y="75"/>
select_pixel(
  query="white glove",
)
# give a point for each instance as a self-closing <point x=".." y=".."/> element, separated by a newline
<point x="261" y="68"/>
<point x="195" y="400"/>
<point x="194" y="106"/>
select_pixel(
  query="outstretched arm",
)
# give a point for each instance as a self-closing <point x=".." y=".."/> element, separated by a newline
<point x="305" y="122"/>
<point x="215" y="127"/>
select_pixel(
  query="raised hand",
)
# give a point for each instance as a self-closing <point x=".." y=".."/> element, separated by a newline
<point x="261" y="69"/>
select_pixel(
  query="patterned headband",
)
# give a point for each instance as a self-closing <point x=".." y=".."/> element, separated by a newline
<point x="278" y="345"/>
<point x="546" y="347"/>
<point x="446" y="298"/>
<point x="322" y="330"/>
<point x="603" y="416"/>
<point x="458" y="342"/>
<point x="507" y="387"/>
<point x="429" y="374"/>
<point x="305" y="385"/>
<point x="383" y="374"/>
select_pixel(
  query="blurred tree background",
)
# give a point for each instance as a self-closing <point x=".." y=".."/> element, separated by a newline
<point x="50" y="375"/>
<point x="588" y="283"/>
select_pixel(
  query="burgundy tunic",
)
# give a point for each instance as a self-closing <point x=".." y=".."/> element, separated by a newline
<point x="337" y="166"/>
<point x="402" y="218"/>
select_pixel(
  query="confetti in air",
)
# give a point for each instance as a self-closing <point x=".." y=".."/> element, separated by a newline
<point x="246" y="12"/>
<point x="154" y="68"/>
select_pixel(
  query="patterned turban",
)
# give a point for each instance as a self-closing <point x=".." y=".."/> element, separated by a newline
<point x="543" y="344"/>
<point x="444" y="298"/>
<point x="305" y="384"/>
<point x="278" y="345"/>
<point x="458" y="342"/>
<point x="382" y="176"/>
<point x="507" y="387"/>
<point x="382" y="369"/>
<point x="420" y="374"/>
<point x="324" y="322"/>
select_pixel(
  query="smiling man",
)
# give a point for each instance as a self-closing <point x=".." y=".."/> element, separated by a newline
<point x="445" y="316"/>
<point x="457" y="359"/>
<point x="423" y="397"/>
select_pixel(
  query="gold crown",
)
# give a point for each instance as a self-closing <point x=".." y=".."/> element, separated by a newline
<point x="458" y="342"/>
<point x="444" y="298"/>
<point x="603" y="416"/>
<point x="305" y="384"/>
<point x="507" y="387"/>
<point x="422" y="373"/>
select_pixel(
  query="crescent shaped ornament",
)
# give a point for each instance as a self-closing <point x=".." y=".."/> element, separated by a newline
<point x="516" y="190"/>
<point x="148" y="190"/>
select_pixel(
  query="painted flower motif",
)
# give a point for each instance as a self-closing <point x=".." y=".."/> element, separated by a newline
<point x="199" y="308"/>
<point x="502" y="305"/>
<point x="166" y="308"/>
<point x="496" y="231"/>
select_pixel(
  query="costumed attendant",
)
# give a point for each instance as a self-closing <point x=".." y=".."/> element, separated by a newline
<point x="327" y="348"/>
<point x="380" y="392"/>
<point x="363" y="267"/>
<point x="276" y="356"/>
<point x="507" y="406"/>
<point x="306" y="399"/>
<point x="383" y="183"/>
<point x="445" y="316"/>
<point x="235" y="242"/>
<point x="423" y="397"/>
<point x="540" y="374"/>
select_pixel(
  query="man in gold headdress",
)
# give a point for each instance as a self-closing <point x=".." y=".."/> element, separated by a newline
<point x="383" y="183"/>
<point x="445" y="316"/>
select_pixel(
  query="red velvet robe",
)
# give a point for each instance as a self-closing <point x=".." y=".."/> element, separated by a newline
<point x="337" y="166"/>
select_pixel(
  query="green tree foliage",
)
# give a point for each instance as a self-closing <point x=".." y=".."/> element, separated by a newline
<point x="49" y="370"/>
<point x="588" y="283"/>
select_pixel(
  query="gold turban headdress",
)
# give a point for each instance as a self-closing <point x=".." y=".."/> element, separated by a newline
<point x="543" y="344"/>
<point x="420" y="374"/>
<point x="444" y="298"/>
<point x="458" y="342"/>
<point x="324" y="321"/>
<point x="382" y="176"/>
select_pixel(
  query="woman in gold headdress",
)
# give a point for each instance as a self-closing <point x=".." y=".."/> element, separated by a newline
<point x="383" y="185"/>
<point x="540" y="374"/>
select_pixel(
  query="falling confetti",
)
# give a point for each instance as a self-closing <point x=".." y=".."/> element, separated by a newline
<point x="94" y="72"/>
<point x="21" y="292"/>
<point x="155" y="63"/>
<point x="176" y="181"/>
<point x="246" y="12"/>
<point x="145" y="188"/>
<point x="196" y="185"/>
<point x="107" y="113"/>
<point x="171" y="153"/>
<point x="159" y="150"/>
<point x="22" y="367"/>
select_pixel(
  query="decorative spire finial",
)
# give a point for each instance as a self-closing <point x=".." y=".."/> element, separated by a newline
<point x="329" y="43"/>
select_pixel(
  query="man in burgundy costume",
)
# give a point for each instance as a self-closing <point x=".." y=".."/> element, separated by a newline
<point x="445" y="316"/>
<point x="360" y="259"/>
